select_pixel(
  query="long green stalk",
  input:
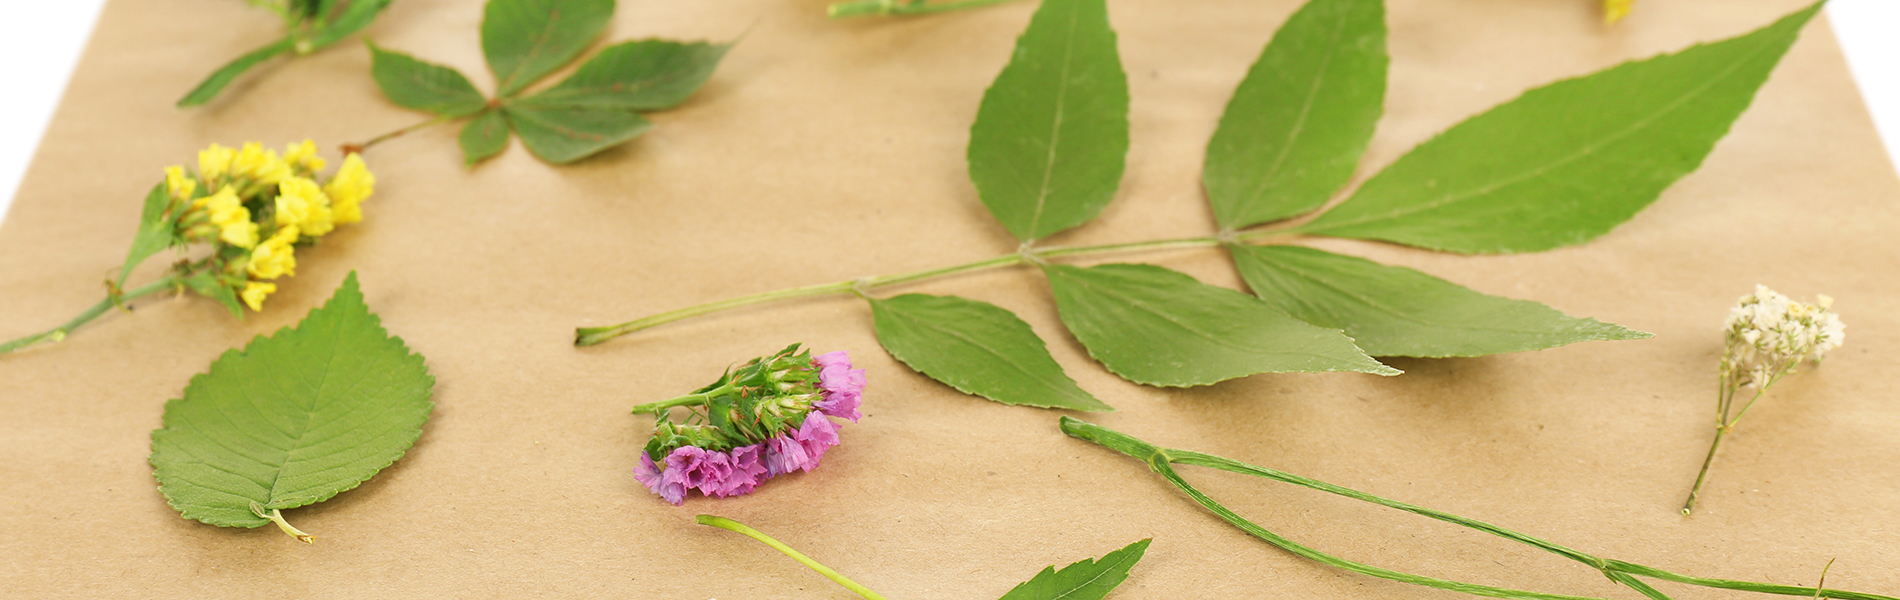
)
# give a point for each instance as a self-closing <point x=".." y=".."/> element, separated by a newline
<point x="742" y="529"/>
<point x="59" y="333"/>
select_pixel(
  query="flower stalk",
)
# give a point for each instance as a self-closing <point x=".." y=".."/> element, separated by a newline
<point x="742" y="529"/>
<point x="59" y="333"/>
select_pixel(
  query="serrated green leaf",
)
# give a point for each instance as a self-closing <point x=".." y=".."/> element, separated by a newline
<point x="1087" y="579"/>
<point x="292" y="419"/>
<point x="1395" y="311"/>
<point x="1051" y="136"/>
<point x="978" y="348"/>
<point x="207" y="284"/>
<point x="525" y="39"/>
<point x="564" y="135"/>
<point x="1296" y="126"/>
<point x="344" y="17"/>
<point x="1155" y="326"/>
<point x="158" y="230"/>
<point x="484" y="136"/>
<point x="215" y="82"/>
<point x="1566" y="162"/>
<point x="424" y="86"/>
<point x="639" y="75"/>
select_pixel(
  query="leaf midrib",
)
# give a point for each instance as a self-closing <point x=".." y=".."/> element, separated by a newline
<point x="1306" y="108"/>
<point x="1098" y="576"/>
<point x="1290" y="270"/>
<point x="965" y="339"/>
<point x="1055" y="126"/>
<point x="1184" y="326"/>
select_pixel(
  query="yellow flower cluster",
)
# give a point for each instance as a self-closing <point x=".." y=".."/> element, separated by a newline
<point x="265" y="204"/>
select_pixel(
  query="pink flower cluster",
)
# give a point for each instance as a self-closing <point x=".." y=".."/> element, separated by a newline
<point x="732" y="473"/>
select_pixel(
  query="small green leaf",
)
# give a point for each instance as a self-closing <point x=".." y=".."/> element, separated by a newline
<point x="1566" y="162"/>
<point x="418" y="85"/>
<point x="158" y="230"/>
<point x="978" y="348"/>
<point x="1395" y="311"/>
<point x="1154" y="326"/>
<point x="640" y="75"/>
<point x="341" y="21"/>
<point x="1296" y="126"/>
<point x="1051" y="135"/>
<point x="564" y="135"/>
<point x="1087" y="579"/>
<point x="292" y="419"/>
<point x="215" y="83"/>
<point x="207" y="284"/>
<point x="484" y="136"/>
<point x="525" y="39"/>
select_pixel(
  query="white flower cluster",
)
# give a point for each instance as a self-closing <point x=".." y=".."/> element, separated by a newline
<point x="1779" y="333"/>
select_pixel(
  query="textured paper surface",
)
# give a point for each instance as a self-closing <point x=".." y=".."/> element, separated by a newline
<point x="823" y="151"/>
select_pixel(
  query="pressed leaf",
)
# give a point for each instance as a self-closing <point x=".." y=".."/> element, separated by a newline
<point x="1296" y="126"/>
<point x="345" y="17"/>
<point x="525" y="39"/>
<point x="207" y="284"/>
<point x="484" y="136"/>
<point x="418" y="85"/>
<point x="1159" y="327"/>
<point x="978" y="348"/>
<point x="158" y="230"/>
<point x="1395" y="311"/>
<point x="1087" y="579"/>
<point x="1051" y="135"/>
<point x="215" y="83"/>
<point x="639" y="75"/>
<point x="564" y="135"/>
<point x="1566" y="162"/>
<point x="292" y="419"/>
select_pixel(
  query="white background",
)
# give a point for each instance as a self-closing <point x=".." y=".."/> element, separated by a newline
<point x="54" y="33"/>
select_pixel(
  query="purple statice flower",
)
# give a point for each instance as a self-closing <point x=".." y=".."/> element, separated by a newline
<point x="714" y="468"/>
<point x="843" y="385"/>
<point x="682" y="467"/>
<point x="748" y="470"/>
<point x="784" y="455"/>
<point x="817" y="435"/>
<point x="650" y="476"/>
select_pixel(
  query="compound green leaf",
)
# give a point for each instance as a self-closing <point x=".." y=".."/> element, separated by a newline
<point x="563" y="135"/>
<point x="1566" y="162"/>
<point x="292" y="419"/>
<point x="1295" y="128"/>
<point x="978" y="348"/>
<point x="525" y="39"/>
<point x="1051" y="135"/>
<point x="344" y="17"/>
<point x="484" y="136"/>
<point x="418" y="85"/>
<point x="1087" y="579"/>
<point x="639" y="75"/>
<point x="1159" y="327"/>
<point x="1395" y="311"/>
<point x="214" y="83"/>
<point x="158" y="230"/>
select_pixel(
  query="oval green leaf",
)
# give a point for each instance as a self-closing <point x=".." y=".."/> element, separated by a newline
<point x="292" y="419"/>
<point x="564" y="135"/>
<point x="158" y="230"/>
<point x="215" y="82"/>
<point x="639" y="75"/>
<point x="525" y="39"/>
<point x="344" y="17"/>
<point x="1566" y="162"/>
<point x="1296" y="126"/>
<point x="484" y="136"/>
<point x="1160" y="327"/>
<point x="418" y="85"/>
<point x="1087" y="579"/>
<point x="1396" y="311"/>
<point x="978" y="348"/>
<point x="1051" y="136"/>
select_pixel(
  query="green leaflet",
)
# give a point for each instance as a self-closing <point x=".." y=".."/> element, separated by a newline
<point x="158" y="230"/>
<point x="1296" y="126"/>
<point x="217" y="80"/>
<point x="207" y="284"/>
<point x="292" y="419"/>
<point x="1566" y="162"/>
<point x="977" y="348"/>
<point x="346" y="17"/>
<point x="592" y="110"/>
<point x="1051" y="135"/>
<point x="424" y="86"/>
<point x="1159" y="327"/>
<point x="525" y="39"/>
<point x="325" y="24"/>
<point x="1395" y="311"/>
<point x="1087" y="579"/>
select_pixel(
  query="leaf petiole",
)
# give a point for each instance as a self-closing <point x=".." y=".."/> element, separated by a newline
<point x="742" y="529"/>
<point x="277" y="516"/>
<point x="359" y="148"/>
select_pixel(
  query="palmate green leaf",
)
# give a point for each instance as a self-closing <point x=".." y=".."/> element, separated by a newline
<point x="638" y="75"/>
<point x="214" y="83"/>
<point x="1087" y="579"/>
<point x="526" y="39"/>
<point x="484" y="136"/>
<point x="978" y="348"/>
<point x="1159" y="327"/>
<point x="344" y="17"/>
<point x="564" y="135"/>
<point x="1566" y="162"/>
<point x="1296" y="126"/>
<point x="292" y="419"/>
<point x="418" y="85"/>
<point x="1051" y="135"/>
<point x="158" y="230"/>
<point x="1395" y="311"/>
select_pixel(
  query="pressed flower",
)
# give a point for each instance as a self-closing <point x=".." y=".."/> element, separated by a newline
<point x="260" y="166"/>
<point x="214" y="163"/>
<point x="274" y="258"/>
<point x="178" y="185"/>
<point x="352" y="185"/>
<point x="843" y="385"/>
<point x="302" y="158"/>
<point x="255" y="292"/>
<point x="227" y="212"/>
<point x="302" y="204"/>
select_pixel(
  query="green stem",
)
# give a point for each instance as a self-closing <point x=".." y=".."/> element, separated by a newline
<point x="858" y="8"/>
<point x="1161" y="461"/>
<point x="359" y="148"/>
<point x="59" y="333"/>
<point x="740" y="528"/>
<point x="686" y="400"/>
<point x="1695" y="491"/>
